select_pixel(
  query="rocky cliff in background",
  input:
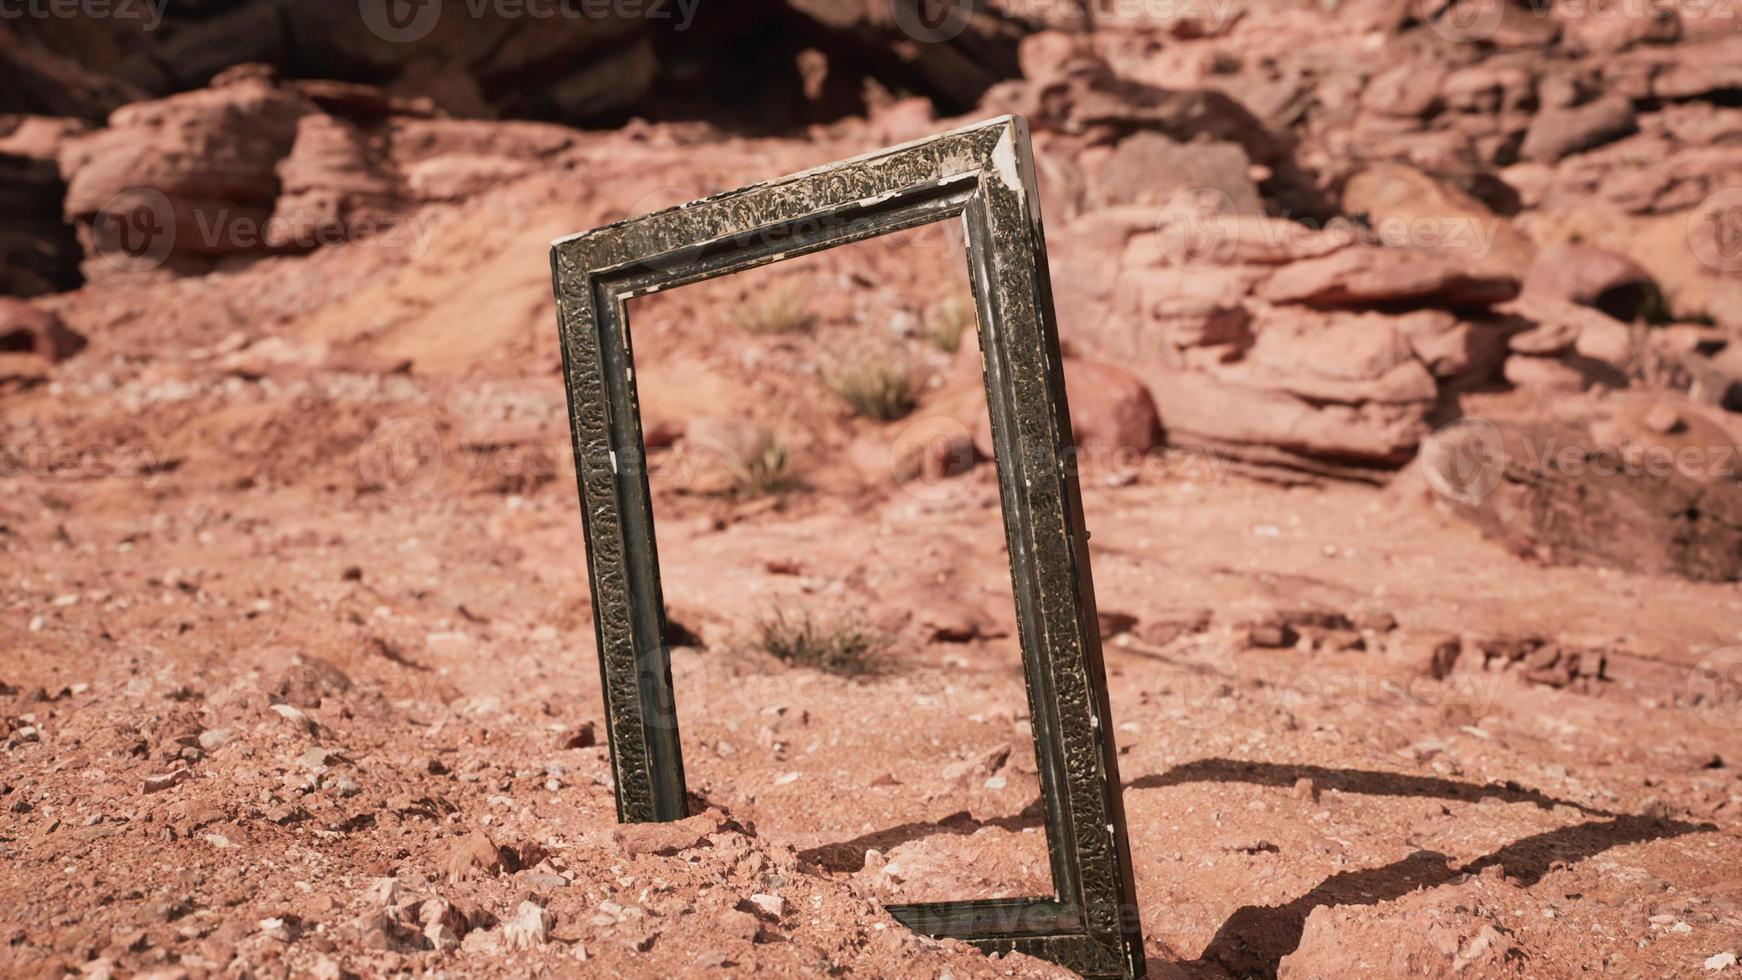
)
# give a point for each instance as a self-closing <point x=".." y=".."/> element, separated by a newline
<point x="764" y="65"/>
<point x="1312" y="260"/>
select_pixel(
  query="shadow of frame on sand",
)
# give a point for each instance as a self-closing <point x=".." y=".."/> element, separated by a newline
<point x="1253" y="941"/>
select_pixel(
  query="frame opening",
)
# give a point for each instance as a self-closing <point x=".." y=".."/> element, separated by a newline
<point x="984" y="175"/>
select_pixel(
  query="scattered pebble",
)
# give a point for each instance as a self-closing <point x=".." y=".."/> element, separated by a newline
<point x="1246" y="845"/>
<point x="771" y="905"/>
<point x="474" y="855"/>
<point x="157" y="784"/>
<point x="529" y="927"/>
<point x="213" y="739"/>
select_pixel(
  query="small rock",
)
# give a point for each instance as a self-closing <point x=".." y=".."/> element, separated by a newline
<point x="739" y="925"/>
<point x="543" y="879"/>
<point x="1721" y="961"/>
<point x="295" y="717"/>
<point x="1428" y="654"/>
<point x="1376" y="620"/>
<point x="1114" y="623"/>
<point x="1663" y="419"/>
<point x="1305" y="790"/>
<point x="474" y="855"/>
<point x="1246" y="845"/>
<point x="949" y="622"/>
<point x="979" y="767"/>
<point x="172" y="909"/>
<point x="583" y="737"/>
<point x="315" y="758"/>
<point x="156" y="784"/>
<point x="382" y="930"/>
<point x="772" y="906"/>
<point x="667" y="838"/>
<point x="529" y="928"/>
<point x="443" y="925"/>
<point x="1169" y="625"/>
<point x="1272" y="636"/>
<point x="213" y="739"/>
<point x="382" y="892"/>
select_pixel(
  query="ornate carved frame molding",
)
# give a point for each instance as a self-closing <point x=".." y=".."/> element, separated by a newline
<point x="985" y="174"/>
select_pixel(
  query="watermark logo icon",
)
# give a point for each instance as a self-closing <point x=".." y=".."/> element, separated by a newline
<point x="1714" y="688"/>
<point x="1197" y="229"/>
<point x="135" y="231"/>
<point x="1202" y="693"/>
<point x="1715" y="231"/>
<point x="932" y="21"/>
<point x="927" y="455"/>
<point x="1462" y="20"/>
<point x="400" y="21"/>
<point x="402" y="458"/>
<point x="1464" y="460"/>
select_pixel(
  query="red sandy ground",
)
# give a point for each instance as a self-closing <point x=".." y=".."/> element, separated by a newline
<point x="359" y="674"/>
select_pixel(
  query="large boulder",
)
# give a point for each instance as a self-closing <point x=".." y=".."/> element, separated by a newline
<point x="1110" y="409"/>
<point x="256" y="166"/>
<point x="1111" y="412"/>
<point x="1276" y="342"/>
<point x="1407" y="207"/>
<point x="1557" y="132"/>
<point x="1149" y="168"/>
<point x="1369" y="274"/>
<point x="29" y="329"/>
<point x="1652" y="488"/>
<point x="1594" y="277"/>
<point x="1336" y="385"/>
<point x="191" y="176"/>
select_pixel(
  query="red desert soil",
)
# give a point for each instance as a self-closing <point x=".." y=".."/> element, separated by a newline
<point x="297" y="670"/>
<point x="269" y="698"/>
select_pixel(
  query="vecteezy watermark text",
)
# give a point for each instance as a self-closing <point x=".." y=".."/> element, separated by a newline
<point x="938" y="21"/>
<point x="1201" y="228"/>
<point x="405" y="21"/>
<point x="62" y="462"/>
<point x="138" y="229"/>
<point x="148" y="13"/>
<point x="1467" y="459"/>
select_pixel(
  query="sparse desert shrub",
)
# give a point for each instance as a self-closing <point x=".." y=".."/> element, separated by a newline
<point x="763" y="472"/>
<point x="782" y="308"/>
<point x="882" y="386"/>
<point x="947" y="320"/>
<point x="843" y="646"/>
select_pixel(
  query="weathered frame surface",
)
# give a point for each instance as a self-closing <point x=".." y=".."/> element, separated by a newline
<point x="984" y="173"/>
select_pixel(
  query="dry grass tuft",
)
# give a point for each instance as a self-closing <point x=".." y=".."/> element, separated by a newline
<point x="947" y="320"/>
<point x="782" y="308"/>
<point x="840" y="646"/>
<point x="767" y="472"/>
<point x="881" y="386"/>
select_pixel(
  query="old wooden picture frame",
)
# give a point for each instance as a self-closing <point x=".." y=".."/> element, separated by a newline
<point x="983" y="173"/>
